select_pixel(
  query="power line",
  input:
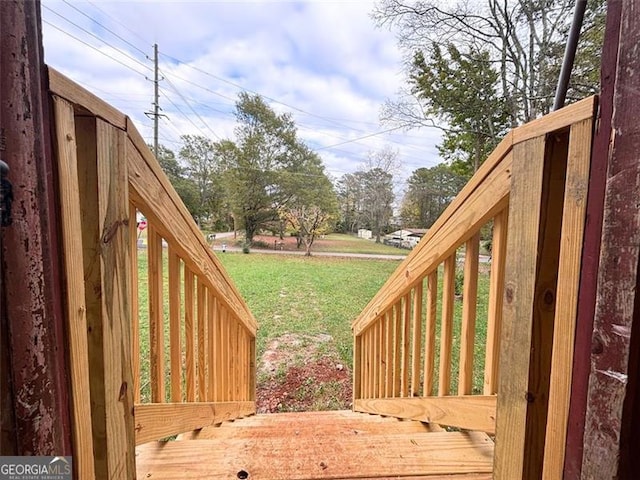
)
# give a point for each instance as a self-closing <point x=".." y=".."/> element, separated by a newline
<point x="97" y="38"/>
<point x="358" y="139"/>
<point x="189" y="119"/>
<point x="240" y="87"/>
<point x="107" y="29"/>
<point x="191" y="107"/>
<point x="93" y="47"/>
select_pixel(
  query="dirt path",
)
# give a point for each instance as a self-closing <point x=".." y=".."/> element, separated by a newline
<point x="300" y="373"/>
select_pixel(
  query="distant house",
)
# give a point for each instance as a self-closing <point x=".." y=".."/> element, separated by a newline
<point x="405" y="238"/>
<point x="364" y="233"/>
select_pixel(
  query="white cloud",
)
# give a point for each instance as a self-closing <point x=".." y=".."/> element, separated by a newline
<point x="325" y="58"/>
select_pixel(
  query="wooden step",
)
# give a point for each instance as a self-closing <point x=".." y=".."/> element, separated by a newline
<point x="320" y="446"/>
<point x="300" y="424"/>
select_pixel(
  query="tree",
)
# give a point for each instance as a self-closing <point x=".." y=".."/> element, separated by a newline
<point x="350" y="198"/>
<point x="522" y="41"/>
<point x="308" y="222"/>
<point x="268" y="169"/>
<point x="460" y="88"/>
<point x="184" y="187"/>
<point x="203" y="168"/>
<point x="429" y="192"/>
<point x="377" y="187"/>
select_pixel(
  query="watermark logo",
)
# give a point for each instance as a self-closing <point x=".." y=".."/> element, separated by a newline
<point x="35" y="468"/>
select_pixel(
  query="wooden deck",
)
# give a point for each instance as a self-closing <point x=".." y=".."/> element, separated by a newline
<point x="319" y="445"/>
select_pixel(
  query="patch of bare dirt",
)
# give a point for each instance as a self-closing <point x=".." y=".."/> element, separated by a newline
<point x="300" y="373"/>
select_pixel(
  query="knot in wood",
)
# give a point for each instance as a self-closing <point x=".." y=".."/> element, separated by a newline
<point x="508" y="293"/>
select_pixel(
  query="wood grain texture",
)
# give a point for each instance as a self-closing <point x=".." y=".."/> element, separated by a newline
<point x="446" y="325"/>
<point x="397" y="348"/>
<point x="320" y="457"/>
<point x="105" y="210"/>
<point x="558" y="120"/>
<point x="430" y="332"/>
<point x="201" y="302"/>
<point x="75" y="94"/>
<point x="469" y="412"/>
<point x="573" y="223"/>
<point x="190" y="333"/>
<point x="175" y="330"/>
<point x="154" y="421"/>
<point x="156" y="315"/>
<point x="530" y="283"/>
<point x="612" y="422"/>
<point x="520" y="282"/>
<point x="496" y="300"/>
<point x="416" y="340"/>
<point x="211" y="350"/>
<point x="469" y="310"/>
<point x="340" y="423"/>
<point x="135" y="303"/>
<point x="76" y="310"/>
<point x="406" y="341"/>
<point x="388" y="336"/>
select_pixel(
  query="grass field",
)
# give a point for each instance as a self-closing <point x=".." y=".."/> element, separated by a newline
<point x="313" y="295"/>
<point x="291" y="294"/>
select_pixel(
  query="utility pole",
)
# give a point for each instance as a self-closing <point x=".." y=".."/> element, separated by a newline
<point x="156" y="100"/>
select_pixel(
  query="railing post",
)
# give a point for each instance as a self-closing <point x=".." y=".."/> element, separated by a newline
<point x="535" y="219"/>
<point x="105" y="237"/>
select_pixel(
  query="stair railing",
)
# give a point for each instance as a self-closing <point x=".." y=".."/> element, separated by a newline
<point x="161" y="340"/>
<point x="428" y="352"/>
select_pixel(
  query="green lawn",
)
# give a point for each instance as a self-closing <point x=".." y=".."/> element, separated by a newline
<point x="292" y="294"/>
<point x="311" y="295"/>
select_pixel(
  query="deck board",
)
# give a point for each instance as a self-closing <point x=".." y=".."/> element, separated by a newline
<point x="326" y="446"/>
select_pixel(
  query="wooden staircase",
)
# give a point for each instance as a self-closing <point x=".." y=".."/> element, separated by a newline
<point x="318" y="445"/>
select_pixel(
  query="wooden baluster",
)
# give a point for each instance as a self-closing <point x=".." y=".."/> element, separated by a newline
<point x="496" y="295"/>
<point x="357" y="367"/>
<point x="190" y="333"/>
<point x="416" y="344"/>
<point x="365" y="364"/>
<point x="252" y="367"/>
<point x="134" y="305"/>
<point x="175" y="346"/>
<point x="397" y="347"/>
<point x="446" y="327"/>
<point x="156" y="315"/>
<point x="406" y="325"/>
<point x="232" y="356"/>
<point x="383" y="356"/>
<point x="220" y="358"/>
<point x="370" y="362"/>
<point x="375" y="331"/>
<point x="211" y="377"/>
<point x="202" y="343"/>
<point x="388" y="382"/>
<point x="239" y="361"/>
<point x="244" y="364"/>
<point x="226" y="355"/>
<point x="430" y="332"/>
<point x="469" y="308"/>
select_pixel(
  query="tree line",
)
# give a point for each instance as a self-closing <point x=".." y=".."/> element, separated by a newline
<point x="473" y="69"/>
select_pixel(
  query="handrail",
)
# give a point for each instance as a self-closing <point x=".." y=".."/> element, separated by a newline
<point x="196" y="316"/>
<point x="414" y="341"/>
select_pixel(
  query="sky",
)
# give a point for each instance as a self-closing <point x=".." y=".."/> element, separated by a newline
<point x="325" y="62"/>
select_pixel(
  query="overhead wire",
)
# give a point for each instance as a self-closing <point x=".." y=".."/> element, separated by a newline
<point x="106" y="28"/>
<point x="93" y="47"/>
<point x="188" y="103"/>
<point x="175" y="89"/>
<point x="98" y="38"/>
